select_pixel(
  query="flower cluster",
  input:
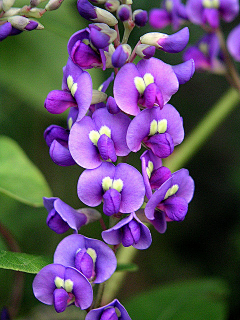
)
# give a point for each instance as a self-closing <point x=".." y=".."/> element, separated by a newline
<point x="209" y="53"/>
<point x="102" y="129"/>
<point x="16" y="20"/>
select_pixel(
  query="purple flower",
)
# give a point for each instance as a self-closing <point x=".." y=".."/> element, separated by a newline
<point x="145" y="51"/>
<point x="5" y="30"/>
<point x="170" y="201"/>
<point x="210" y="11"/>
<point x="120" y="56"/>
<point x="111" y="105"/>
<point x="76" y="91"/>
<point x="124" y="12"/>
<point x="173" y="12"/>
<point x="100" y="138"/>
<point x="95" y="14"/>
<point x="169" y="43"/>
<point x="62" y="287"/>
<point x="112" y="311"/>
<point x="130" y="231"/>
<point x="61" y="216"/>
<point x="150" y="82"/>
<point x="154" y="174"/>
<point x="233" y="43"/>
<point x="57" y="140"/>
<point x="91" y="257"/>
<point x="161" y="130"/>
<point x="121" y="188"/>
<point x="206" y="54"/>
<point x="101" y="35"/>
<point x="140" y="17"/>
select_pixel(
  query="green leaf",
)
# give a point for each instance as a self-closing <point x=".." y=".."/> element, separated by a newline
<point x="22" y="262"/>
<point x="19" y="177"/>
<point x="195" y="299"/>
<point x="127" y="267"/>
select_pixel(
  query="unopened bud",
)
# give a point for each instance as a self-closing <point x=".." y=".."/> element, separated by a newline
<point x="12" y="12"/>
<point x="112" y="5"/>
<point x="98" y="96"/>
<point x="145" y="51"/>
<point x="121" y="55"/>
<point x="5" y="30"/>
<point x="124" y="12"/>
<point x="140" y="17"/>
<point x="7" y="4"/>
<point x="172" y="44"/>
<point x="33" y="12"/>
<point x="101" y="35"/>
<point x="23" y="23"/>
<point x="91" y="214"/>
<point x="53" y="5"/>
<point x="35" y="3"/>
<point x="95" y="14"/>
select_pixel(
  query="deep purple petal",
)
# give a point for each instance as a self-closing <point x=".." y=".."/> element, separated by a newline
<point x="175" y="42"/>
<point x="176" y="208"/>
<point x="119" y="57"/>
<point x="5" y="30"/>
<point x="194" y="11"/>
<point x="86" y="9"/>
<point x="184" y="71"/>
<point x="95" y="314"/>
<point x="58" y="101"/>
<point x="163" y="74"/>
<point x="56" y="223"/>
<point x="83" y="94"/>
<point x="185" y="182"/>
<point x="133" y="191"/>
<point x="60" y="298"/>
<point x="125" y="91"/>
<point x="159" y="176"/>
<point x="43" y="283"/>
<point x="82" y="149"/>
<point x="159" y="18"/>
<point x="159" y="221"/>
<point x="233" y="43"/>
<point x="111" y="202"/>
<point x="111" y="105"/>
<point x="54" y="132"/>
<point x="229" y="9"/>
<point x="89" y="188"/>
<point x="82" y="289"/>
<point x="99" y="39"/>
<point x="106" y="148"/>
<point x="161" y="144"/>
<point x="60" y="154"/>
<point x="211" y="17"/>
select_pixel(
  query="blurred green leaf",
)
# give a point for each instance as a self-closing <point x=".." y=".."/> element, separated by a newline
<point x="196" y="299"/>
<point x="19" y="177"/>
<point x="22" y="262"/>
<point x="127" y="267"/>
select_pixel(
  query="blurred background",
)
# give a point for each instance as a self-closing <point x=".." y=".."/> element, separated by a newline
<point x="205" y="246"/>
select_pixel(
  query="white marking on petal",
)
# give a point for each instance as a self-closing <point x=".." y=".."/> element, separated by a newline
<point x="162" y="126"/>
<point x="118" y="312"/>
<point x="68" y="285"/>
<point x="171" y="191"/>
<point x="74" y="89"/>
<point x="105" y="130"/>
<point x="70" y="82"/>
<point x="139" y="84"/>
<point x="211" y="4"/>
<point x="59" y="282"/>
<point x="169" y="5"/>
<point x="117" y="185"/>
<point x="203" y="47"/>
<point x="94" y="136"/>
<point x="92" y="254"/>
<point x="70" y="123"/>
<point x="148" y="79"/>
<point x="107" y="183"/>
<point x="153" y="127"/>
<point x="100" y="87"/>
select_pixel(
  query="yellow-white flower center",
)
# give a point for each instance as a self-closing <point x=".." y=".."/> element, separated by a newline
<point x="149" y="169"/>
<point x="94" y="135"/>
<point x="65" y="284"/>
<point x="159" y="126"/>
<point x="142" y="83"/>
<point x="211" y="4"/>
<point x="171" y="191"/>
<point x="72" y="86"/>
<point x="108" y="183"/>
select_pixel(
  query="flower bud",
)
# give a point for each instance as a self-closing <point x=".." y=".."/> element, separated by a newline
<point x="7" y="4"/>
<point x="140" y="17"/>
<point x="11" y="12"/>
<point x="121" y="55"/>
<point x="112" y="5"/>
<point x="53" y="5"/>
<point x="95" y="14"/>
<point x="5" y="30"/>
<point x="19" y="22"/>
<point x="32" y="13"/>
<point x="112" y="106"/>
<point x="98" y="96"/>
<point x="126" y="1"/>
<point x="172" y="44"/>
<point x="101" y="35"/>
<point x="145" y="51"/>
<point x="124" y="12"/>
<point x="35" y="3"/>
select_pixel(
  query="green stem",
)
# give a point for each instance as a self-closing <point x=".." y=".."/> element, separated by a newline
<point x="180" y="157"/>
<point x="203" y="130"/>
